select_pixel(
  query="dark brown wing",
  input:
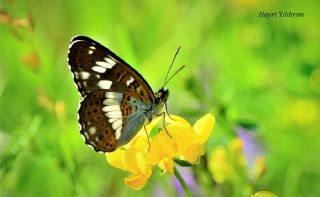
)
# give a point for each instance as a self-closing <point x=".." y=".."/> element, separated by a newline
<point x="95" y="67"/>
<point x="113" y="95"/>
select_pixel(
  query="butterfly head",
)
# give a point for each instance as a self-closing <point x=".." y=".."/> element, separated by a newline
<point x="162" y="95"/>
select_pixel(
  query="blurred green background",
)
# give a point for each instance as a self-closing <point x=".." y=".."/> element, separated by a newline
<point x="246" y="70"/>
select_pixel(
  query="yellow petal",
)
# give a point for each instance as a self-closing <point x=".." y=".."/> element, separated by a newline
<point x="264" y="194"/>
<point x="142" y="163"/>
<point x="193" y="152"/>
<point x="203" y="127"/>
<point x="134" y="161"/>
<point x="137" y="181"/>
<point x="218" y="165"/>
<point x="177" y="120"/>
<point x="153" y="123"/>
<point x="236" y="145"/>
<point x="161" y="146"/>
<point x="236" y="151"/>
<point x="142" y="133"/>
<point x="166" y="165"/>
<point x="183" y="136"/>
<point x="140" y="143"/>
<point x="115" y="159"/>
<point x="259" y="167"/>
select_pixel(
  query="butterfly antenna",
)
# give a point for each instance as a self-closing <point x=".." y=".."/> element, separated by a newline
<point x="175" y="55"/>
<point x="165" y="83"/>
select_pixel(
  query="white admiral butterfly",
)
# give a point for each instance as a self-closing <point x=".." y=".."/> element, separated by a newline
<point x="116" y="99"/>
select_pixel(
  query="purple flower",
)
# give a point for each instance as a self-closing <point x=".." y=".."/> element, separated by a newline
<point x="252" y="148"/>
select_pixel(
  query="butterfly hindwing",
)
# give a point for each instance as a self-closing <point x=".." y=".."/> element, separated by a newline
<point x="94" y="125"/>
<point x="107" y="121"/>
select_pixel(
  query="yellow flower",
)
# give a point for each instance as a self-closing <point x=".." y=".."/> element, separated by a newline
<point x="135" y="162"/>
<point x="177" y="140"/>
<point x="180" y="140"/>
<point x="236" y="152"/>
<point x="264" y="194"/>
<point x="203" y="128"/>
<point x="226" y="163"/>
<point x="259" y="167"/>
<point x="162" y="150"/>
<point x="190" y="140"/>
<point x="219" y="165"/>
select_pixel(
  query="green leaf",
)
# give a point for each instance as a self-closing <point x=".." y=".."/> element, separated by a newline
<point x="182" y="163"/>
<point x="154" y="132"/>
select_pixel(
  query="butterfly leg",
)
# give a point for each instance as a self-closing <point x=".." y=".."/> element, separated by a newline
<point x="166" y="107"/>
<point x="163" y="122"/>
<point x="145" y="129"/>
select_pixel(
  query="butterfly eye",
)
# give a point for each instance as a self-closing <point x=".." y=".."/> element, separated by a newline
<point x="165" y="95"/>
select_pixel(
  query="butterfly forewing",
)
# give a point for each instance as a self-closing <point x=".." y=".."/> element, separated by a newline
<point x="95" y="67"/>
<point x="115" y="96"/>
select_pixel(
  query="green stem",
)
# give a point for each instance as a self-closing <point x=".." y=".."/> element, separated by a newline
<point x="182" y="182"/>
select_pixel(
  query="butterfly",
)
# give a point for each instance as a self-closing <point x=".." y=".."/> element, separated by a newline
<point x="116" y="101"/>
